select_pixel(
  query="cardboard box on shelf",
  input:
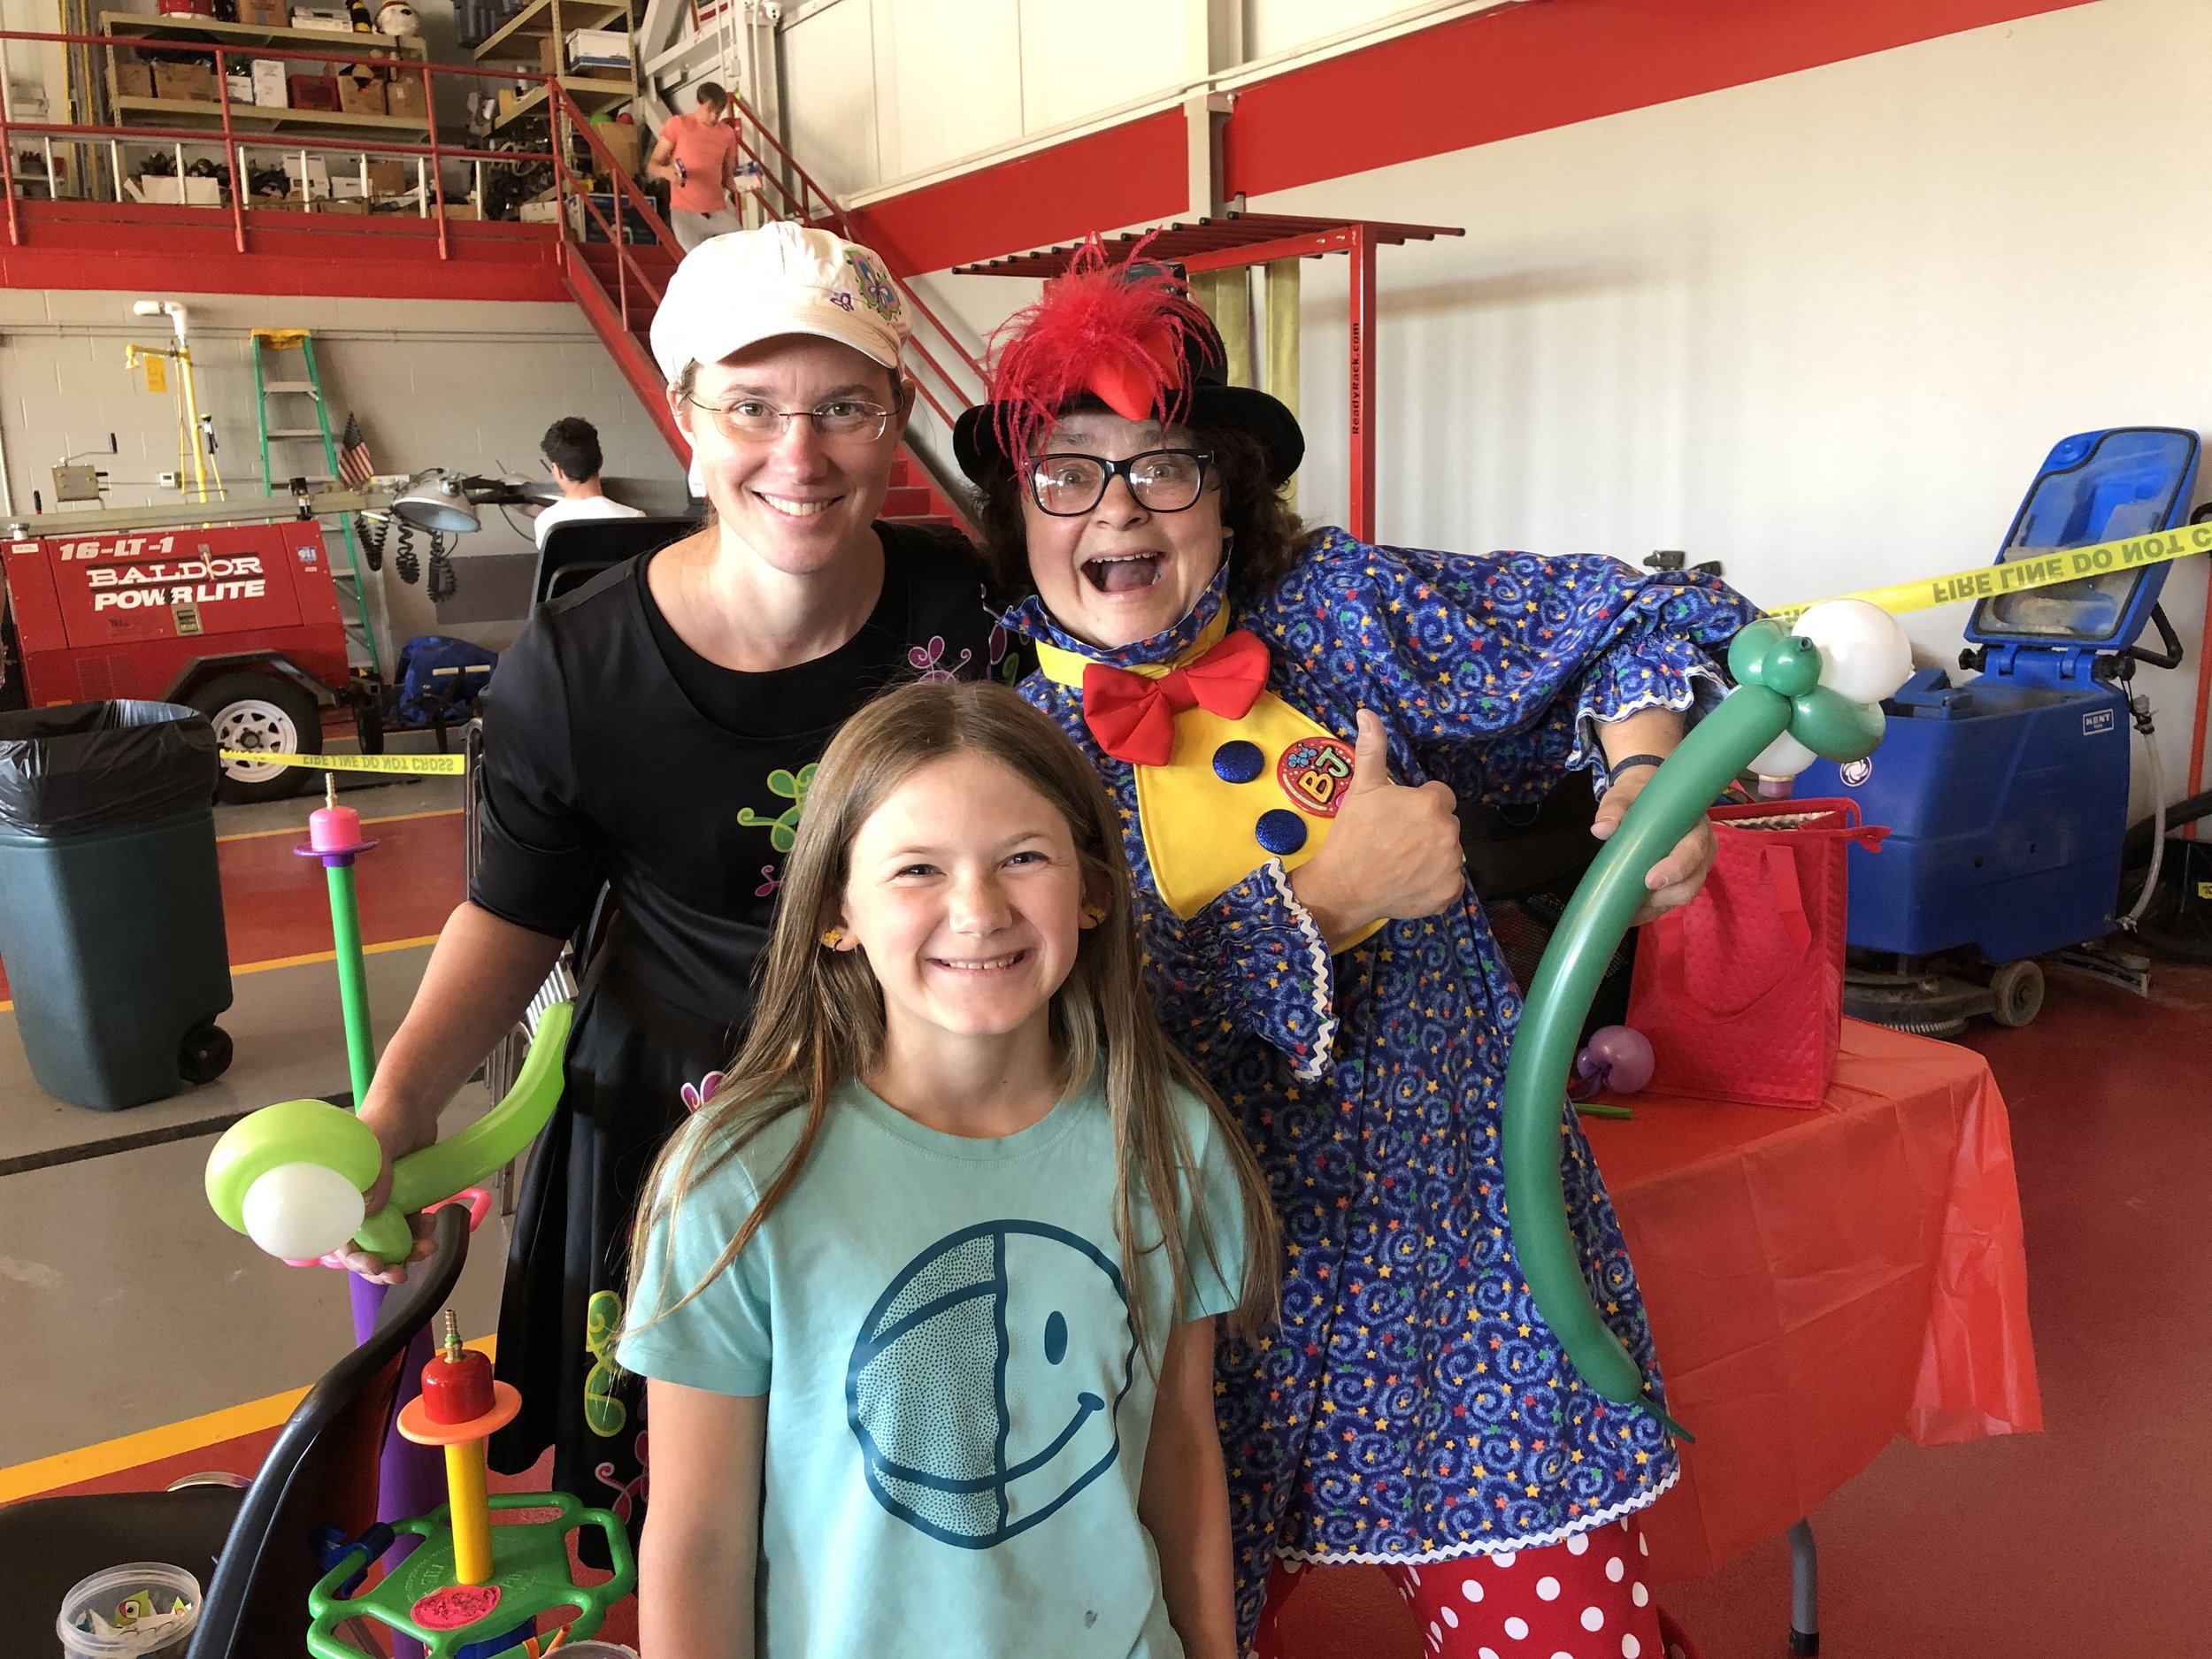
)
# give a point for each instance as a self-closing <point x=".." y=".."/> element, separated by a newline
<point x="402" y="94"/>
<point x="191" y="83"/>
<point x="264" y="14"/>
<point x="311" y="92"/>
<point x="620" y="138"/>
<point x="545" y="213"/>
<point x="362" y="95"/>
<point x="133" y="79"/>
<point x="238" y="80"/>
<point x="197" y="192"/>
<point x="322" y="19"/>
<point x="390" y="178"/>
<point x="550" y="56"/>
<point x="607" y="49"/>
<point x="269" y="90"/>
<point x="355" y="206"/>
<point x="312" y="169"/>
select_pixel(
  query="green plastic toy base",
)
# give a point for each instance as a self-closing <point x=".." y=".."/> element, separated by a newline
<point x="531" y="1567"/>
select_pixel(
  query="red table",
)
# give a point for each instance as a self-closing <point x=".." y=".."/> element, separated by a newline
<point x="1819" y="1281"/>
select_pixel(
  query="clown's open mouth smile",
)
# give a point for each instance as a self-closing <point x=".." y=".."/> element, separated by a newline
<point x="1122" y="573"/>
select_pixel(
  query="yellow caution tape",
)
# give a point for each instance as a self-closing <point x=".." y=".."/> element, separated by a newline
<point x="2029" y="569"/>
<point x="443" y="765"/>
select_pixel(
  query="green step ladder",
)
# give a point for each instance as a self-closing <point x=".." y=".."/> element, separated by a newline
<point x="268" y="344"/>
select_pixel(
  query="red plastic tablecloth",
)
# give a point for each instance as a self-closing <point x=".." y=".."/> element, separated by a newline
<point x="1820" y="1281"/>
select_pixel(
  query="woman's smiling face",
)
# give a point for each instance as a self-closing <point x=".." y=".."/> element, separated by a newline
<point x="1121" y="572"/>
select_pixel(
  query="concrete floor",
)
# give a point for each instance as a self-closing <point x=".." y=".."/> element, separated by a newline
<point x="122" y="1296"/>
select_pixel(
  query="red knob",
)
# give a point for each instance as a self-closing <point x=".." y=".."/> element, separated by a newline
<point x="457" y="1388"/>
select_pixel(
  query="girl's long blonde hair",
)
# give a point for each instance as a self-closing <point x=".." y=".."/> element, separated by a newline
<point x="818" y="1020"/>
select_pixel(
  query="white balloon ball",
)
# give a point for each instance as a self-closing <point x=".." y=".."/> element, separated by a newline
<point x="301" y="1212"/>
<point x="1864" y="651"/>
<point x="1785" y="757"/>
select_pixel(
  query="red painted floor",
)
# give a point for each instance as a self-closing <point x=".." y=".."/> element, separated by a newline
<point x="277" y="905"/>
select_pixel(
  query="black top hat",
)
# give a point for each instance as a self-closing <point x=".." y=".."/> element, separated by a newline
<point x="1127" y="339"/>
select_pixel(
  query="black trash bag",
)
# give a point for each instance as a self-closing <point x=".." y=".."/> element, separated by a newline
<point x="88" y="766"/>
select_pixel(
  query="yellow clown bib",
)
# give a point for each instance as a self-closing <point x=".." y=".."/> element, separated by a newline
<point x="1233" y="792"/>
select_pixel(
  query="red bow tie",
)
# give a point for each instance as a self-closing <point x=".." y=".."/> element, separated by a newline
<point x="1133" y="716"/>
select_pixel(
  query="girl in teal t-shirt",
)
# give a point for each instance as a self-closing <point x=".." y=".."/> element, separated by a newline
<point x="926" y="1294"/>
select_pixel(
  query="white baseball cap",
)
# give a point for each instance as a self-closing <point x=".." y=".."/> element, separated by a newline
<point x="734" y="290"/>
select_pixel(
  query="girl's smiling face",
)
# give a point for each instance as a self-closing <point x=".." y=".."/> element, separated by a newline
<point x="966" y="894"/>
<point x="1121" y="573"/>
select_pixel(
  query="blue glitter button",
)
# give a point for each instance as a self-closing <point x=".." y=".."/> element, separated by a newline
<point x="1281" y="832"/>
<point x="1239" y="762"/>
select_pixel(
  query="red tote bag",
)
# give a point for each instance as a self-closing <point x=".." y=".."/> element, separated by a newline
<point x="1741" y="991"/>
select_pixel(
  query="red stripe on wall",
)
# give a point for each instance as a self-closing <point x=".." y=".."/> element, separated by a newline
<point x="1535" y="66"/>
<point x="1126" y="175"/>
<point x="1500" y="74"/>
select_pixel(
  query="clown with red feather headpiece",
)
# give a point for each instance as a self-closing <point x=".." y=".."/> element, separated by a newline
<point x="1293" y="722"/>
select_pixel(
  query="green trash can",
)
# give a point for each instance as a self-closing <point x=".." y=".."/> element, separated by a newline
<point x="110" y="902"/>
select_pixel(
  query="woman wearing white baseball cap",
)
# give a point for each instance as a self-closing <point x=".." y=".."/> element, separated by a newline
<point x="650" y="738"/>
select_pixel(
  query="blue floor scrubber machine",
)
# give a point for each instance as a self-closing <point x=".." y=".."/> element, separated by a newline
<point x="2006" y="793"/>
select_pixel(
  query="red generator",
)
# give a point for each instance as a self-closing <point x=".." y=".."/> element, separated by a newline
<point x="239" y="621"/>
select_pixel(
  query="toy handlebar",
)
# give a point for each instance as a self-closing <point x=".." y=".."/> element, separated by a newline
<point x="1784" y="689"/>
<point x="293" y="1177"/>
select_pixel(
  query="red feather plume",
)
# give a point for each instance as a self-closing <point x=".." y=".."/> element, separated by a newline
<point x="1099" y="329"/>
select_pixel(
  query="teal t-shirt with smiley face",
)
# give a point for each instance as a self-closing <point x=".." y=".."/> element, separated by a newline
<point x="957" y="1411"/>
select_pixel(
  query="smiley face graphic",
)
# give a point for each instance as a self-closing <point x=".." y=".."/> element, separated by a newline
<point x="984" y="1385"/>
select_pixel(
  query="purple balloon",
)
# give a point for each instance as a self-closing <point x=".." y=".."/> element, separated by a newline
<point x="1619" y="1056"/>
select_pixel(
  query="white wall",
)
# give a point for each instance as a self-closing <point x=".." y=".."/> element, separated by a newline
<point x="880" y="90"/>
<point x="1823" y="328"/>
<point x="461" y="384"/>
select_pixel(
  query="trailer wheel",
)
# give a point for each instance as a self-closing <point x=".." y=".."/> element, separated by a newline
<point x="2019" y="989"/>
<point x="259" y="711"/>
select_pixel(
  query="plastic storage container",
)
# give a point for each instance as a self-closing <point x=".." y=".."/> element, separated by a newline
<point x="106" y="1593"/>
<point x="111" y="903"/>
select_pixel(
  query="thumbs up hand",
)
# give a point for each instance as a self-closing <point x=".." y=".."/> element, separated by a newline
<point x="1393" y="853"/>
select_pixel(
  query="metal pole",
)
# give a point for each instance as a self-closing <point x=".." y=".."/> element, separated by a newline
<point x="1804" y="1593"/>
<point x="230" y="156"/>
<point x="437" y="173"/>
<point x="1361" y="515"/>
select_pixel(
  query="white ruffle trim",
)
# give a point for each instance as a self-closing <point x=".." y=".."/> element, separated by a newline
<point x="1590" y="752"/>
<point x="1317" y="1066"/>
<point x="1489" y="1545"/>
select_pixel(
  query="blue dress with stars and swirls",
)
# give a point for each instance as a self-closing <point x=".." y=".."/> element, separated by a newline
<point x="1411" y="1404"/>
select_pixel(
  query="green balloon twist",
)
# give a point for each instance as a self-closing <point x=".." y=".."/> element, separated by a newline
<point x="1778" y="691"/>
<point x="315" y="1132"/>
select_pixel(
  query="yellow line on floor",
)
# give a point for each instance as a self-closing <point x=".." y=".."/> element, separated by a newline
<point x="171" y="1440"/>
<point x="314" y="957"/>
<point x="395" y="817"/>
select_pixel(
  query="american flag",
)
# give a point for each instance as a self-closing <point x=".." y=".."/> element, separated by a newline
<point x="355" y="468"/>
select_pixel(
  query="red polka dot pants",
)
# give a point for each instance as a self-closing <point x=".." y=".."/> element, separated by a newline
<point x="1587" y="1598"/>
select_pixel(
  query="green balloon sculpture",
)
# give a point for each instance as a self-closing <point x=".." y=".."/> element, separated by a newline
<point x="1779" y="690"/>
<point x="293" y="1176"/>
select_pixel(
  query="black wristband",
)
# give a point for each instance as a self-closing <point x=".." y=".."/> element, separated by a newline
<point x="1615" y="768"/>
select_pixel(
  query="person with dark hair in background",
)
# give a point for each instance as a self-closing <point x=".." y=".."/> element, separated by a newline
<point x="696" y="158"/>
<point x="571" y="448"/>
